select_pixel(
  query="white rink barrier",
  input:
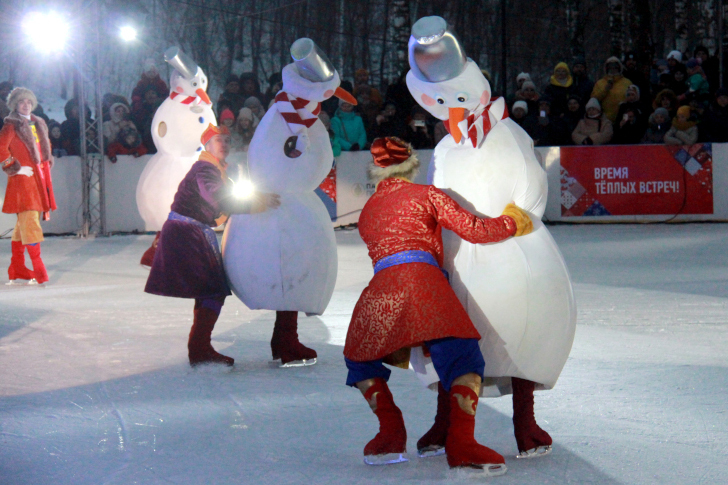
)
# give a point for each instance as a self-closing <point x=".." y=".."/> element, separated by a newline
<point x="353" y="188"/>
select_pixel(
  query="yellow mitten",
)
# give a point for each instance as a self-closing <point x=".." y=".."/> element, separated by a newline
<point x="523" y="221"/>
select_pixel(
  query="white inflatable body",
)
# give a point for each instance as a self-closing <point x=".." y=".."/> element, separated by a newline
<point x="517" y="292"/>
<point x="176" y="131"/>
<point x="285" y="259"/>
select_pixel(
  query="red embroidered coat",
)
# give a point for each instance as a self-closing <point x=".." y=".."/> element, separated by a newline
<point x="408" y="304"/>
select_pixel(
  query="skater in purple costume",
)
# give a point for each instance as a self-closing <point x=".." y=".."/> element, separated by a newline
<point x="188" y="263"/>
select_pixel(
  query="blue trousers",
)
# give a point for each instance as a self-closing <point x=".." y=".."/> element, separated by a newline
<point x="452" y="358"/>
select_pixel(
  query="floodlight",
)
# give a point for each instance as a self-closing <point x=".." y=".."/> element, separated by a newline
<point x="47" y="31"/>
<point x="128" y="33"/>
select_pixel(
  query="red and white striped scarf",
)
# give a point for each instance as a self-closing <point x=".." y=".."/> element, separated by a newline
<point x="296" y="111"/>
<point x="479" y="125"/>
<point x="189" y="100"/>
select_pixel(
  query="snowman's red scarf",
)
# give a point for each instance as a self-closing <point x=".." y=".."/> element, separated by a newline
<point x="180" y="98"/>
<point x="295" y="111"/>
<point x="480" y="124"/>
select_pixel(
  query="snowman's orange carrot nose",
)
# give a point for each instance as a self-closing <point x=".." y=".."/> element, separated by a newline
<point x="203" y="95"/>
<point x="344" y="95"/>
<point x="456" y="115"/>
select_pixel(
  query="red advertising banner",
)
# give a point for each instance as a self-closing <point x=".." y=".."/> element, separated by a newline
<point x="624" y="180"/>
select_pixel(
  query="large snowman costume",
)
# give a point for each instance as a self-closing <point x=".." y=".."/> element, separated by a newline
<point x="517" y="292"/>
<point x="285" y="260"/>
<point x="176" y="129"/>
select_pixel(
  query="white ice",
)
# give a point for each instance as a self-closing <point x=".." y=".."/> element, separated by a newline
<point x="95" y="387"/>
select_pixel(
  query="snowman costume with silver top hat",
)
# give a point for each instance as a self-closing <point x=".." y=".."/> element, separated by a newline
<point x="176" y="129"/>
<point x="518" y="292"/>
<point x="286" y="259"/>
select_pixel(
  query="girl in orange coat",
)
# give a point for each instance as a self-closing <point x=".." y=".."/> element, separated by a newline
<point x="25" y="154"/>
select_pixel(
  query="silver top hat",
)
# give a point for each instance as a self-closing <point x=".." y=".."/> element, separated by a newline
<point x="181" y="61"/>
<point x="311" y="62"/>
<point x="435" y="54"/>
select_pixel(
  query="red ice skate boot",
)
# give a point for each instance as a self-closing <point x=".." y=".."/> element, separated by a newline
<point x="531" y="439"/>
<point x="463" y="452"/>
<point x="17" y="269"/>
<point x="433" y="442"/>
<point x="285" y="344"/>
<point x="199" y="345"/>
<point x="39" y="269"/>
<point x="148" y="256"/>
<point x="390" y="443"/>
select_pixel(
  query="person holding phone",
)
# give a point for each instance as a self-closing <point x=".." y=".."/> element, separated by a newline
<point x="611" y="89"/>
<point x="418" y="134"/>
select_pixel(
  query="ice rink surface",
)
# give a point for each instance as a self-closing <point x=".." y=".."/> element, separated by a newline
<point x="95" y="387"/>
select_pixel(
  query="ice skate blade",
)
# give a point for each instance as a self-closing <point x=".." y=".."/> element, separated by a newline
<point x="386" y="459"/>
<point x="16" y="283"/>
<point x="485" y="470"/>
<point x="293" y="363"/>
<point x="535" y="452"/>
<point x="34" y="282"/>
<point x="147" y="267"/>
<point x="431" y="451"/>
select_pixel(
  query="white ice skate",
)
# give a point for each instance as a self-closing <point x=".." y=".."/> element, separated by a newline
<point x="535" y="452"/>
<point x="386" y="459"/>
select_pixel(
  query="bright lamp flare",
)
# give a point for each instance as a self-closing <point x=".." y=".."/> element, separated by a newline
<point x="48" y="31"/>
<point x="243" y="189"/>
<point x="128" y="33"/>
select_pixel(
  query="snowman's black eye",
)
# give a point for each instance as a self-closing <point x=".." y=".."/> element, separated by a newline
<point x="194" y="84"/>
<point x="289" y="147"/>
<point x="202" y="120"/>
<point x="440" y="100"/>
<point x="461" y="99"/>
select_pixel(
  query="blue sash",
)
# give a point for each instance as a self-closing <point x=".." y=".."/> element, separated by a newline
<point x="206" y="230"/>
<point x="405" y="257"/>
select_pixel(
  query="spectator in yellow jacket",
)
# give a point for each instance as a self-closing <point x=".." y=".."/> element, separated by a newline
<point x="612" y="88"/>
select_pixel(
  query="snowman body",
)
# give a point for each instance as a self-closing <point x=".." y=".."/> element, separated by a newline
<point x="177" y="127"/>
<point x="517" y="292"/>
<point x="285" y="258"/>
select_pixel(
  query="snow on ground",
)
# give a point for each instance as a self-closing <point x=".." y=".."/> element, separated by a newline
<point x="95" y="387"/>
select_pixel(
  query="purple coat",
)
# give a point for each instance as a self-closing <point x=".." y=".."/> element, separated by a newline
<point x="186" y="264"/>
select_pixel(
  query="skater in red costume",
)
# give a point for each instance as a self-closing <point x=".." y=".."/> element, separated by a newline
<point x="25" y="154"/>
<point x="188" y="263"/>
<point x="409" y="303"/>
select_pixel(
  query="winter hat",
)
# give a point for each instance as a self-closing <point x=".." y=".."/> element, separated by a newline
<point x="635" y="88"/>
<point x="18" y="94"/>
<point x="528" y="84"/>
<point x="677" y="55"/>
<point x="253" y="103"/>
<point x="150" y="66"/>
<point x="520" y="104"/>
<point x="692" y="63"/>
<point x="630" y="55"/>
<point x="246" y="114"/>
<point x="594" y="103"/>
<point x="392" y="156"/>
<point x="611" y="60"/>
<point x="211" y="131"/>
<point x="524" y="75"/>
<point x="684" y="110"/>
<point x="662" y="112"/>
<point x="226" y="115"/>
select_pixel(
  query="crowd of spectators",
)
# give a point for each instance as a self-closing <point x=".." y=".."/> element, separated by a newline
<point x="676" y="100"/>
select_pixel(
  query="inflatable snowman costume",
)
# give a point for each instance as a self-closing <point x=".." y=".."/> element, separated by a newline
<point x="176" y="129"/>
<point x="285" y="260"/>
<point x="518" y="292"/>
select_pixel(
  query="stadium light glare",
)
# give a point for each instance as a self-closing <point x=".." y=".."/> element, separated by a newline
<point x="47" y="31"/>
<point x="128" y="33"/>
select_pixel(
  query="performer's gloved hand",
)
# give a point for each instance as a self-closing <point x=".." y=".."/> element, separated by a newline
<point x="523" y="220"/>
<point x="27" y="171"/>
<point x="264" y="201"/>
